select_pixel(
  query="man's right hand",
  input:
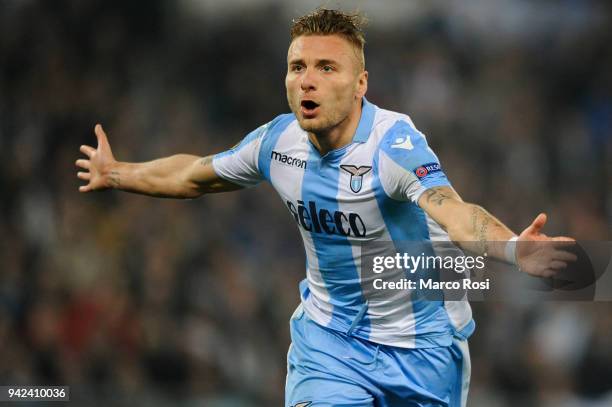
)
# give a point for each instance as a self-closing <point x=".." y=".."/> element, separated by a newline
<point x="98" y="165"/>
<point x="179" y="176"/>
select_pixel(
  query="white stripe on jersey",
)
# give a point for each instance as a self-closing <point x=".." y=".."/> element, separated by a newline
<point x="288" y="184"/>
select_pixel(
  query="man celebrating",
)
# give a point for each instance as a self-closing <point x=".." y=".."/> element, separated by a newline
<point x="350" y="173"/>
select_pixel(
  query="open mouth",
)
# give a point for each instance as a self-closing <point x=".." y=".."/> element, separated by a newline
<point x="309" y="108"/>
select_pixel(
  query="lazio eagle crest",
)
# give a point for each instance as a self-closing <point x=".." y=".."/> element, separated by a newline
<point x="357" y="174"/>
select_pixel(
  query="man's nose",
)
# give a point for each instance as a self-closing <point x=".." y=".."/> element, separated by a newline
<point x="308" y="80"/>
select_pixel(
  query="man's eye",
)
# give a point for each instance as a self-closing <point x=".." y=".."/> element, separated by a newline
<point x="296" y="68"/>
<point x="328" y="68"/>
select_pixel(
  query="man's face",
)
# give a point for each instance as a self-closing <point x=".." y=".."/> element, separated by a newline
<point x="325" y="81"/>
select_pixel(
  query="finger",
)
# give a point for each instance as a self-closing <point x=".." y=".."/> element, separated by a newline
<point x="84" y="175"/>
<point x="84" y="188"/>
<point x="562" y="245"/>
<point x="87" y="150"/>
<point x="101" y="135"/>
<point x="564" y="256"/>
<point x="558" y="265"/>
<point x="548" y="272"/>
<point x="538" y="223"/>
<point x="532" y="231"/>
<point x="569" y="240"/>
<point x="85" y="164"/>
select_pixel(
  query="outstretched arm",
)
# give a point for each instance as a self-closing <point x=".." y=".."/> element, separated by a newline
<point x="476" y="230"/>
<point x="177" y="176"/>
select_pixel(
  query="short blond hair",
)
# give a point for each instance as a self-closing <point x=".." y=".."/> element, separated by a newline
<point x="324" y="21"/>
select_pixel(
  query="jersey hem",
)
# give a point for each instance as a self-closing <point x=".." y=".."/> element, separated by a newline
<point x="408" y="342"/>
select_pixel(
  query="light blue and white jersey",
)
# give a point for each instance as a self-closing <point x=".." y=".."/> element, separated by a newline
<point x="366" y="191"/>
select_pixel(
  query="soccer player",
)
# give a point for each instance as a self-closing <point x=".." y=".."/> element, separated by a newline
<point x="349" y="173"/>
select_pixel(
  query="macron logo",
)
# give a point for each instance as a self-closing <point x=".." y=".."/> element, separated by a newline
<point x="400" y="142"/>
<point x="285" y="159"/>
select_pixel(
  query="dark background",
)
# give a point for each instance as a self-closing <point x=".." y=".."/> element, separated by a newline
<point x="136" y="301"/>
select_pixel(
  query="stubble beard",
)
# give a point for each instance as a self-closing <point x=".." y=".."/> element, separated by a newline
<point x="322" y="125"/>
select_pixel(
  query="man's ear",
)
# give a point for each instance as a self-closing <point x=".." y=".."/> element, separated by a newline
<point x="362" y="85"/>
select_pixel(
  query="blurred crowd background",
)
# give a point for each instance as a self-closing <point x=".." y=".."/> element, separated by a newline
<point x="136" y="301"/>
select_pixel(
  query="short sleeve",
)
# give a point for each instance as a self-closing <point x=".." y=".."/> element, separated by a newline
<point x="407" y="165"/>
<point x="240" y="164"/>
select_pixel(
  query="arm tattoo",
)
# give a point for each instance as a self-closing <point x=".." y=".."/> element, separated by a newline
<point x="206" y="160"/>
<point x="435" y="196"/>
<point x="480" y="227"/>
<point x="115" y="179"/>
<point x="483" y="233"/>
<point x="474" y="219"/>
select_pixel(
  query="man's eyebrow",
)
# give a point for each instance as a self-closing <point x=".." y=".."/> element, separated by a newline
<point x="322" y="62"/>
<point x="319" y="62"/>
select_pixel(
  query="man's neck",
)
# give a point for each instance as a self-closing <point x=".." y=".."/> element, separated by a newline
<point x="340" y="135"/>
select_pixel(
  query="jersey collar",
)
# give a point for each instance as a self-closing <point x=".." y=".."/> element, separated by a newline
<point x="365" y="122"/>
